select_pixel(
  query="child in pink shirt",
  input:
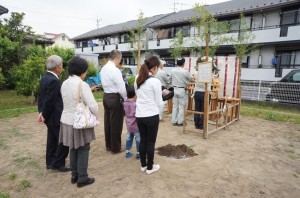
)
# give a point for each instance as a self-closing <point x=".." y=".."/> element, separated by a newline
<point x="130" y="119"/>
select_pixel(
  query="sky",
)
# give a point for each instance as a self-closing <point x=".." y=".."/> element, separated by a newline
<point x="75" y="17"/>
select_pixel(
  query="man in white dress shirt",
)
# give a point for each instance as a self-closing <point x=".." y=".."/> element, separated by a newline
<point x="114" y="94"/>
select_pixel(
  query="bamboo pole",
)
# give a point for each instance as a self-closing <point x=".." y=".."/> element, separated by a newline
<point x="205" y="121"/>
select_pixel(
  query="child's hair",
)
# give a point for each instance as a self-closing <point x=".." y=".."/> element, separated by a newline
<point x="130" y="92"/>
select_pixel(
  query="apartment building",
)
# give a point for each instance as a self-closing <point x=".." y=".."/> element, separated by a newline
<point x="274" y="23"/>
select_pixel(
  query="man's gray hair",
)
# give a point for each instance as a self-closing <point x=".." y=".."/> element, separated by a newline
<point x="114" y="54"/>
<point x="53" y="61"/>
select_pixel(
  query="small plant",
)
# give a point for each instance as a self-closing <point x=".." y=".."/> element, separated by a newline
<point x="295" y="175"/>
<point x="12" y="176"/>
<point x="3" y="145"/>
<point x="23" y="184"/>
<point x="4" y="195"/>
<point x="271" y="116"/>
<point x="131" y="80"/>
<point x="27" y="162"/>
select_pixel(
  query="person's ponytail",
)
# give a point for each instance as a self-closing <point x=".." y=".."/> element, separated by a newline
<point x="153" y="61"/>
<point x="143" y="74"/>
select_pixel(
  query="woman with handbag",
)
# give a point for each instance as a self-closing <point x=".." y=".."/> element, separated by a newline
<point x="74" y="92"/>
<point x="149" y="99"/>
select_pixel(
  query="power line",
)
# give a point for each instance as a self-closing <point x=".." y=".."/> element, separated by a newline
<point x="45" y="13"/>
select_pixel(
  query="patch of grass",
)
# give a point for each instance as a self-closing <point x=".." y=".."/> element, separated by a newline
<point x="291" y="153"/>
<point x="3" y="144"/>
<point x="295" y="175"/>
<point x="272" y="116"/>
<point x="98" y="95"/>
<point x="12" y="176"/>
<point x="13" y="105"/>
<point x="22" y="185"/>
<point x="4" y="195"/>
<point x="270" y="112"/>
<point x="27" y="162"/>
<point x="16" y="132"/>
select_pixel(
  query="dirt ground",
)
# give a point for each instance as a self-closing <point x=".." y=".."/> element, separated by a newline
<point x="252" y="158"/>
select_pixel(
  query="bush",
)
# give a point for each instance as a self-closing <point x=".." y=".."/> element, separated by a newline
<point x="92" y="71"/>
<point x="131" y="80"/>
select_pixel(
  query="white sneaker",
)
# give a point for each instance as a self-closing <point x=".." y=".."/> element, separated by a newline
<point x="143" y="169"/>
<point x="155" y="168"/>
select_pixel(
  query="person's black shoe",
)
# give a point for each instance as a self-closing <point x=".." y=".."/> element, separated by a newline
<point x="60" y="169"/>
<point x="179" y="124"/>
<point x="74" y="180"/>
<point x="174" y="124"/>
<point x="87" y="182"/>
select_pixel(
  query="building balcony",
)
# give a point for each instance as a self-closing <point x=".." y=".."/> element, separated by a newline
<point x="123" y="47"/>
<point x="273" y="35"/>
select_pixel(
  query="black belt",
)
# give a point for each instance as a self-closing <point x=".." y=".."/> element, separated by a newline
<point x="113" y="94"/>
<point x="179" y="87"/>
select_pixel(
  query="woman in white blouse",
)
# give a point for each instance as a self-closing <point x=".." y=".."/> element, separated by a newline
<point x="149" y="99"/>
<point x="77" y="139"/>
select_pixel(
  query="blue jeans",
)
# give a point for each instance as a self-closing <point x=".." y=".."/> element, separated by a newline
<point x="129" y="140"/>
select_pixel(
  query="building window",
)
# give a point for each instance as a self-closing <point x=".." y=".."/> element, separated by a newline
<point x="63" y="38"/>
<point x="288" y="59"/>
<point x="289" y="18"/>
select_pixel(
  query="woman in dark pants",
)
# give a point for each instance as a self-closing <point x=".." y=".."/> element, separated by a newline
<point x="77" y="139"/>
<point x="149" y="99"/>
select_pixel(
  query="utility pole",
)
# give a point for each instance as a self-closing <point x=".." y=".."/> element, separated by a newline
<point x="98" y="22"/>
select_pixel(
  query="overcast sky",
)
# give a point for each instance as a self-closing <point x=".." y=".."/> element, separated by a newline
<point x="75" y="17"/>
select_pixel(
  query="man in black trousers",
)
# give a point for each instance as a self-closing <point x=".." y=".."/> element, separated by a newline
<point x="50" y="106"/>
<point x="114" y="93"/>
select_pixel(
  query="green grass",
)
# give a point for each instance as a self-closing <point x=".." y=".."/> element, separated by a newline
<point x="4" y="195"/>
<point x="3" y="145"/>
<point x="16" y="132"/>
<point x="270" y="112"/>
<point x="27" y="162"/>
<point x="13" y="105"/>
<point x="22" y="185"/>
<point x="12" y="176"/>
<point x="98" y="95"/>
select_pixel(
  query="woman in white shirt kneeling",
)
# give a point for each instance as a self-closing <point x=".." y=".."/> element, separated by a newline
<point x="149" y="99"/>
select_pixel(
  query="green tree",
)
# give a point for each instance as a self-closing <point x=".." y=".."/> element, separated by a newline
<point x="2" y="79"/>
<point x="136" y="35"/>
<point x="66" y="54"/>
<point x="211" y="32"/>
<point x="14" y="36"/>
<point x="27" y="75"/>
<point x="242" y="45"/>
<point x="91" y="71"/>
<point x="177" y="45"/>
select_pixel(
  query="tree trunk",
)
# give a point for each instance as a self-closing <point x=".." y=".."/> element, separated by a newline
<point x="139" y="56"/>
<point x="239" y="90"/>
<point x="32" y="97"/>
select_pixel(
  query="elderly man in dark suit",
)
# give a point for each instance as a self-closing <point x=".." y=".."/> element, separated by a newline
<point x="50" y="106"/>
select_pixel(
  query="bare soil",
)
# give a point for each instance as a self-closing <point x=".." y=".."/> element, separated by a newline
<point x="178" y="152"/>
<point x="252" y="158"/>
